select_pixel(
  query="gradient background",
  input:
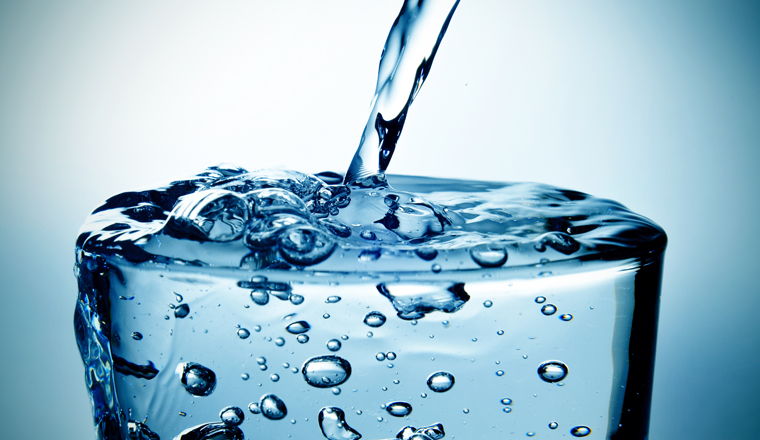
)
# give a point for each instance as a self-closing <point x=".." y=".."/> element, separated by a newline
<point x="655" y="103"/>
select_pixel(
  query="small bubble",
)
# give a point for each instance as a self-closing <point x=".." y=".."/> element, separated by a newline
<point x="566" y="317"/>
<point x="344" y="337"/>
<point x="197" y="379"/>
<point x="261" y="360"/>
<point x="474" y="339"/>
<point x="286" y="365"/>
<point x="466" y="411"/>
<point x="166" y="317"/>
<point x="391" y="356"/>
<point x="507" y="410"/>
<point x="295" y="299"/>
<point x="263" y="367"/>
<point x="137" y="336"/>
<point x="548" y="309"/>
<point x="369" y="334"/>
<point x="257" y="328"/>
<point x="245" y="376"/>
<point x="436" y="268"/>
<point x="232" y="416"/>
<point x="243" y="333"/>
<point x="500" y="332"/>
<point x="540" y="300"/>
<point x="396" y="381"/>
<point x="384" y="388"/>
<point x="272" y="407"/>
<point x="332" y="299"/>
<point x="488" y="304"/>
<point x="302" y="339"/>
<point x="398" y="409"/>
<point x="489" y="255"/>
<point x="374" y="319"/>
<point x="333" y="345"/>
<point x="553" y="425"/>
<point x="390" y="365"/>
<point x="275" y="377"/>
<point x="336" y="390"/>
<point x="500" y="373"/>
<point x="379" y="419"/>
<point x="181" y="311"/>
<point x="445" y="323"/>
<point x="506" y="401"/>
<point x="525" y="356"/>
<point x="552" y="371"/>
<point x="182" y="414"/>
<point x="178" y="297"/>
<point x="298" y="327"/>
<point x="413" y="322"/>
<point x="279" y="342"/>
<point x="580" y="431"/>
<point x="368" y="235"/>
<point x="294" y="370"/>
<point x="380" y="356"/>
<point x="358" y="412"/>
<point x="530" y="434"/>
<point x="326" y="316"/>
<point x="326" y="371"/>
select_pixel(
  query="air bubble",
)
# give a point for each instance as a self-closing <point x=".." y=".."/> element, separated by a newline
<point x="507" y="410"/>
<point x="566" y="317"/>
<point x="274" y="377"/>
<point x="380" y="356"/>
<point x="181" y="311"/>
<point x="336" y="390"/>
<point x="243" y="333"/>
<point x="374" y="319"/>
<point x="295" y="299"/>
<point x="500" y="373"/>
<point x="344" y="337"/>
<point x="466" y="411"/>
<point x="137" y="336"/>
<point x="137" y="430"/>
<point x="500" y="332"/>
<point x="552" y="371"/>
<point x="232" y="416"/>
<point x="530" y="434"/>
<point x="506" y="401"/>
<point x="197" y="379"/>
<point x="549" y="309"/>
<point x="540" y="300"/>
<point x="436" y="268"/>
<point x="426" y="254"/>
<point x="211" y="215"/>
<point x="553" y="425"/>
<point x="333" y="345"/>
<point x="178" y="297"/>
<point x="326" y="371"/>
<point x="326" y="316"/>
<point x="272" y="407"/>
<point x="253" y="407"/>
<point x="298" y="327"/>
<point x="370" y="334"/>
<point x="487" y="304"/>
<point x="398" y="409"/>
<point x="332" y="422"/>
<point x="441" y="381"/>
<point x="368" y="235"/>
<point x="261" y="360"/>
<point x="263" y="367"/>
<point x="391" y="356"/>
<point x="580" y="431"/>
<point x="279" y="342"/>
<point x="260" y="296"/>
<point x="489" y="255"/>
<point x="305" y="245"/>
<point x="302" y="339"/>
<point x="332" y="299"/>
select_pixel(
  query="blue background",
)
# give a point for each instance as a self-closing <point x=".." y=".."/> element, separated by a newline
<point x="652" y="103"/>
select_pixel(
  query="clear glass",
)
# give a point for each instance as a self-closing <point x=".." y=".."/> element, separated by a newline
<point x="374" y="339"/>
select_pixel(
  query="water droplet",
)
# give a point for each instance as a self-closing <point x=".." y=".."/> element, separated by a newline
<point x="272" y="407"/>
<point x="552" y="371"/>
<point x="507" y="410"/>
<point x="274" y="377"/>
<point x="396" y="381"/>
<point x="336" y="390"/>
<point x="488" y="303"/>
<point x="326" y="316"/>
<point x="368" y="235"/>
<point x="333" y="345"/>
<point x="332" y="422"/>
<point x="344" y="337"/>
<point x="399" y="409"/>
<point x="263" y="367"/>
<point x="436" y="268"/>
<point x="580" y="431"/>
<point x="466" y="411"/>
<point x="540" y="300"/>
<point x="257" y="328"/>
<point x="500" y="332"/>
<point x="137" y="336"/>
<point x="295" y="299"/>
<point x="379" y="419"/>
<point x="370" y="334"/>
<point x="197" y="379"/>
<point x="178" y="297"/>
<point x="232" y="416"/>
<point x="500" y="373"/>
<point x="530" y="434"/>
<point x="566" y="317"/>
<point x="553" y="425"/>
<point x="441" y="381"/>
<point x="525" y="356"/>
<point x="261" y="360"/>
<point x="390" y="365"/>
<point x="474" y="339"/>
<point x="243" y="333"/>
<point x="489" y="255"/>
<point x="302" y="339"/>
<point x="380" y="356"/>
<point x="506" y="401"/>
<point x="253" y="407"/>
<point x="391" y="356"/>
<point x="423" y="395"/>
<point x="332" y="299"/>
<point x="548" y="309"/>
<point x="279" y="342"/>
<point x="298" y="327"/>
<point x="181" y="311"/>
<point x="260" y="297"/>
<point x="326" y="371"/>
<point x="374" y="319"/>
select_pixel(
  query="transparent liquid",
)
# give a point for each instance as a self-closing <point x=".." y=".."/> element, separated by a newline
<point x="535" y="306"/>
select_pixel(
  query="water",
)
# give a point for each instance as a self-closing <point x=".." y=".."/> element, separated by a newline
<point x="380" y="354"/>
